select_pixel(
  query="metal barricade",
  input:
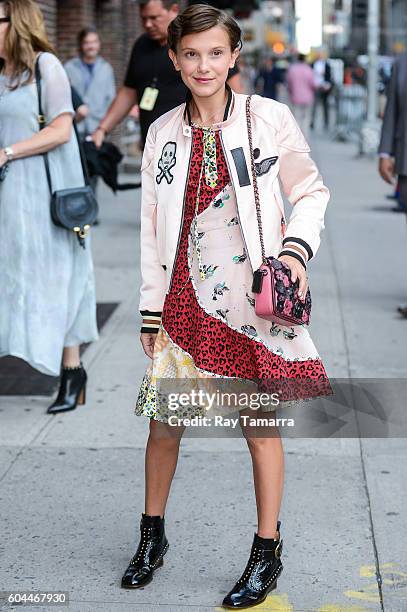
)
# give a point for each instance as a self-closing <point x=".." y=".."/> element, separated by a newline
<point x="129" y="146"/>
<point x="351" y="110"/>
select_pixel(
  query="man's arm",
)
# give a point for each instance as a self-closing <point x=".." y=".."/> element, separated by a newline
<point x="386" y="146"/>
<point x="124" y="101"/>
<point x="111" y="86"/>
<point x="80" y="108"/>
<point x="390" y="114"/>
<point x="328" y="73"/>
<point x="117" y="111"/>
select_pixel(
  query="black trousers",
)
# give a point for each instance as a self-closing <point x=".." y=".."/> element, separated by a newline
<point x="321" y="97"/>
<point x="403" y="188"/>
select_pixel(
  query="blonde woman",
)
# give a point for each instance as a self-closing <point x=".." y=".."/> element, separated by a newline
<point x="199" y="248"/>
<point x="47" y="306"/>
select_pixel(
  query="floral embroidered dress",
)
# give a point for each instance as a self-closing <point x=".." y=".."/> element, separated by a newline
<point x="208" y="328"/>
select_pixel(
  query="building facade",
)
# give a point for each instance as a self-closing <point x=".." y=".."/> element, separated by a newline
<point x="396" y="26"/>
<point x="116" y="20"/>
<point x="392" y="23"/>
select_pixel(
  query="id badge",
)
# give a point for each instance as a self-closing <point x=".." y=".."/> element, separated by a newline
<point x="149" y="98"/>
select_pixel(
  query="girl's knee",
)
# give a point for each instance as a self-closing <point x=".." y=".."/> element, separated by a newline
<point x="165" y="433"/>
<point x="258" y="442"/>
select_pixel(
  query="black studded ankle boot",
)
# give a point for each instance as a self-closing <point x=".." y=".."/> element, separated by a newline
<point x="150" y="552"/>
<point x="72" y="390"/>
<point x="261" y="573"/>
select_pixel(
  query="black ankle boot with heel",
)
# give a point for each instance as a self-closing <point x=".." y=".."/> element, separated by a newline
<point x="260" y="575"/>
<point x="72" y="390"/>
<point x="150" y="552"/>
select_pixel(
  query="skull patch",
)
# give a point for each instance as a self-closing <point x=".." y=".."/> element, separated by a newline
<point x="166" y="162"/>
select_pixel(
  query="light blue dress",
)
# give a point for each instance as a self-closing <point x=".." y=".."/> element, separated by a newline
<point x="47" y="287"/>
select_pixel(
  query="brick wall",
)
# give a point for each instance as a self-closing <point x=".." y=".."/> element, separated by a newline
<point x="49" y="8"/>
<point x="119" y="25"/>
<point x="117" y="21"/>
<point x="72" y="16"/>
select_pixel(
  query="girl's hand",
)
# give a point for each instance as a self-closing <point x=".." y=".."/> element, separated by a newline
<point x="297" y="271"/>
<point x="3" y="158"/>
<point x="148" y="341"/>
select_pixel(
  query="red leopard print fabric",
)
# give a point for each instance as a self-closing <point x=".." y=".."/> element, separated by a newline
<point x="213" y="345"/>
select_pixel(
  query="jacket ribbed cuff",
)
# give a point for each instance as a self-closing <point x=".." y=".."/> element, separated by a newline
<point x="296" y="256"/>
<point x="151" y="321"/>
<point x="298" y="248"/>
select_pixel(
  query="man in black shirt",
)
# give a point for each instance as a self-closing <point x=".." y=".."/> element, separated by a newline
<point x="151" y="80"/>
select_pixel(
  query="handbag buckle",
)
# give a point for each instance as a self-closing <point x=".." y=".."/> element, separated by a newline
<point x="82" y="233"/>
<point x="41" y="119"/>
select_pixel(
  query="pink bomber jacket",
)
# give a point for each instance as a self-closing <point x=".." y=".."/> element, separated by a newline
<point x="282" y="158"/>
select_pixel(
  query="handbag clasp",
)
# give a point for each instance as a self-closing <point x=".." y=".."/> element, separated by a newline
<point x="82" y="233"/>
<point x="258" y="280"/>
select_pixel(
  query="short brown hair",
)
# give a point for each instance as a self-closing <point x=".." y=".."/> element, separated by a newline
<point x="199" y="18"/>
<point x="25" y="37"/>
<point x="84" y="33"/>
<point x="167" y="4"/>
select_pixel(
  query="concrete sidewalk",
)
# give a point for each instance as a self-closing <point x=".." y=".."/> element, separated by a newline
<point x="72" y="486"/>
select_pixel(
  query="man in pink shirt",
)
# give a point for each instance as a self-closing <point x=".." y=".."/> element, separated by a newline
<point x="301" y="88"/>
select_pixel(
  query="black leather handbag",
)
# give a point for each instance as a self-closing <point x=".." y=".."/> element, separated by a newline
<point x="75" y="209"/>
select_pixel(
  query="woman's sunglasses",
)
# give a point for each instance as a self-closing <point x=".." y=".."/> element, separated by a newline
<point x="4" y="19"/>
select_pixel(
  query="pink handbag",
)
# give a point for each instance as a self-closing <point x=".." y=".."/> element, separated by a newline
<point x="276" y="296"/>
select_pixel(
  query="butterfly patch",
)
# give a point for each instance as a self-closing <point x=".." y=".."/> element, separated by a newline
<point x="239" y="258"/>
<point x="209" y="270"/>
<point x="249" y="330"/>
<point x="234" y="221"/>
<point x="218" y="290"/>
<point x="223" y="312"/>
<point x="250" y="300"/>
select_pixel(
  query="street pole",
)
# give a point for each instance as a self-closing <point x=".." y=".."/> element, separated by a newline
<point x="369" y="135"/>
<point x="386" y="37"/>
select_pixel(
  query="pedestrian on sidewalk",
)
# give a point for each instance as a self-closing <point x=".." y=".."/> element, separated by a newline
<point x="393" y="141"/>
<point x="47" y="306"/>
<point x="151" y="80"/>
<point x="271" y="77"/>
<point x="324" y="86"/>
<point x="301" y="90"/>
<point x="199" y="247"/>
<point x="93" y="78"/>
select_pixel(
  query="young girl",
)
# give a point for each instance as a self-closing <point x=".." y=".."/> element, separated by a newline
<point x="199" y="248"/>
